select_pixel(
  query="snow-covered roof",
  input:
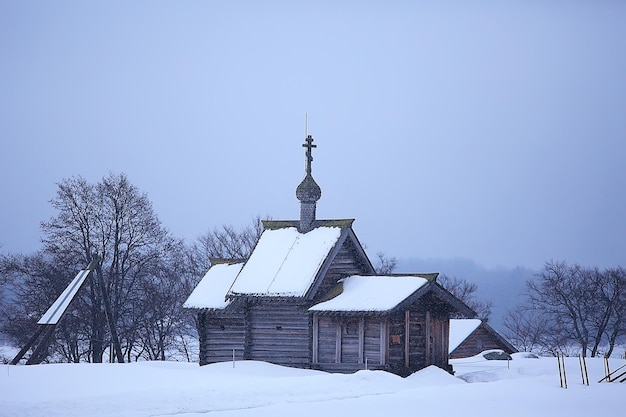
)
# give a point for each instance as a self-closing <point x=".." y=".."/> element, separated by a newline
<point x="56" y="310"/>
<point x="372" y="293"/>
<point x="285" y="262"/>
<point x="460" y="329"/>
<point x="212" y="289"/>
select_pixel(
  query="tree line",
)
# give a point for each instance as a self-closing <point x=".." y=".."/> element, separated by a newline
<point x="569" y="309"/>
<point x="148" y="274"/>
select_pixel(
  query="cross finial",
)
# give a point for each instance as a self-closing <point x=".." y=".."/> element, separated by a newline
<point x="309" y="156"/>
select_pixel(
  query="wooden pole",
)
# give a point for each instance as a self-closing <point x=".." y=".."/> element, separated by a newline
<point x="37" y="355"/>
<point x="107" y="309"/>
<point x="583" y="369"/>
<point x="407" y="337"/>
<point x="27" y="346"/>
<point x="562" y="375"/>
<point x="612" y="376"/>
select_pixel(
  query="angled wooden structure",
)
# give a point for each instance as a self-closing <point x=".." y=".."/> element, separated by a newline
<point x="47" y="323"/>
<point x="40" y="341"/>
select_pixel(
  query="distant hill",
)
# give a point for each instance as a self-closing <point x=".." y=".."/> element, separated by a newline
<point x="502" y="286"/>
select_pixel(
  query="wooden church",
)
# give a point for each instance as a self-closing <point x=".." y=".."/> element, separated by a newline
<point x="309" y="297"/>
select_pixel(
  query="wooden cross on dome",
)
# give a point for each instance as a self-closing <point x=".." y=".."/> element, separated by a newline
<point x="309" y="156"/>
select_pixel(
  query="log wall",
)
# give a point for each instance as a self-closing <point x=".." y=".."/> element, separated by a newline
<point x="219" y="336"/>
<point x="278" y="332"/>
<point x="350" y="340"/>
<point x="418" y="336"/>
<point x="346" y="263"/>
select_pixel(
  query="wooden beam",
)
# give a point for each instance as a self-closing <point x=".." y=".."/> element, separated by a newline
<point x="27" y="346"/>
<point x="315" y="337"/>
<point x="338" y="344"/>
<point x="361" y="339"/>
<point x="247" y="331"/>
<point x="406" y="338"/>
<point x="445" y="345"/>
<point x="383" y="342"/>
<point x="38" y="354"/>
<point x="427" y="337"/>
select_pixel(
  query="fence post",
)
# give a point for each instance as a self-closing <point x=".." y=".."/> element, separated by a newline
<point x="583" y="369"/>
<point x="562" y="375"/>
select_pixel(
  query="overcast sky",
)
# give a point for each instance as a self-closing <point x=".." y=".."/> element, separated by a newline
<point x="491" y="131"/>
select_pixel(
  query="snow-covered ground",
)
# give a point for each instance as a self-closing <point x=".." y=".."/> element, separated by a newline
<point x="523" y="387"/>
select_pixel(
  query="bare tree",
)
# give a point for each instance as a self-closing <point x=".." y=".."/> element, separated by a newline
<point x="576" y="306"/>
<point x="614" y="297"/>
<point x="466" y="292"/>
<point x="227" y="242"/>
<point x="532" y="330"/>
<point x="564" y="293"/>
<point x="163" y="322"/>
<point x="384" y="264"/>
<point x="115" y="221"/>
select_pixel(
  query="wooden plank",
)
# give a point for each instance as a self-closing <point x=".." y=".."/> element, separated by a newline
<point x="406" y="338"/>
<point x="315" y="337"/>
<point x="373" y="341"/>
<point x="327" y="331"/>
<point x="361" y="339"/>
<point x="338" y="344"/>
<point x="383" y="342"/>
<point x="279" y="332"/>
<point x="427" y="335"/>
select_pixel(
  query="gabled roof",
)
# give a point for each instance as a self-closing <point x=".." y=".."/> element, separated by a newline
<point x="460" y="329"/>
<point x="385" y="293"/>
<point x="371" y="293"/>
<point x="285" y="262"/>
<point x="211" y="290"/>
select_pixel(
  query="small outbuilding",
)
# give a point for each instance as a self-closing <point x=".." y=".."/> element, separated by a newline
<point x="469" y="337"/>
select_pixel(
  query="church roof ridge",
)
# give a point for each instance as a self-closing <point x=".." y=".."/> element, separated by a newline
<point x="281" y="224"/>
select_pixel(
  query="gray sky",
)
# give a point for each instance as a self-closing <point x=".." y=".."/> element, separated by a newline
<point x="492" y="131"/>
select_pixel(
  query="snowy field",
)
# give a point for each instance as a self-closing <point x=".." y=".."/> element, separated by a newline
<point x="528" y="388"/>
